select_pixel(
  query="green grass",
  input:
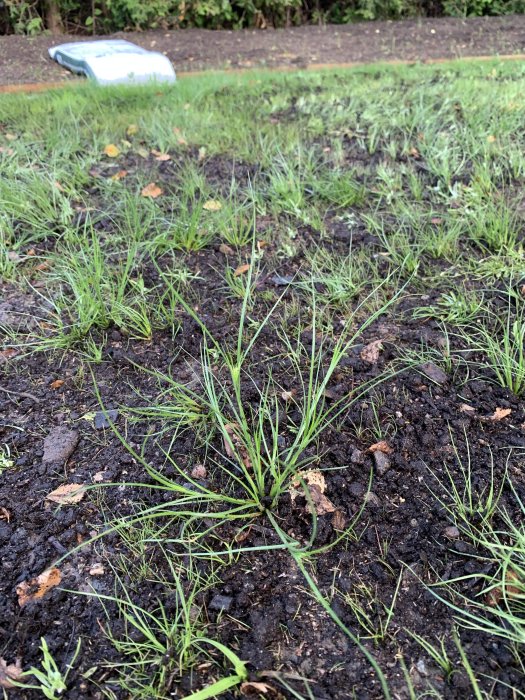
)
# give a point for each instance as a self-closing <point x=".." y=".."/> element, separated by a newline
<point x="308" y="213"/>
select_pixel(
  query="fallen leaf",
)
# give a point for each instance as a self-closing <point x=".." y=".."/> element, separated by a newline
<point x="235" y="445"/>
<point x="9" y="673"/>
<point x="99" y="476"/>
<point x="243" y="534"/>
<point x="142" y="152"/>
<point x="111" y="150"/>
<point x="212" y="205"/>
<point x="465" y="408"/>
<point x="199" y="472"/>
<point x="67" y="494"/>
<point x="59" y="186"/>
<point x="414" y="152"/>
<point x="11" y="137"/>
<point x="288" y="395"/>
<point x="338" y="520"/>
<point x="5" y="514"/>
<point x="43" y="266"/>
<point x="313" y="477"/>
<point x="500" y="414"/>
<point x="120" y="175"/>
<point x="8" y="353"/>
<point x="316" y="485"/>
<point x="152" y="190"/>
<point x="57" y="383"/>
<point x="37" y="587"/>
<point x="436" y="220"/>
<point x="160" y="156"/>
<point x="381" y="446"/>
<point x="252" y="687"/>
<point x="132" y="130"/>
<point x="225" y="249"/>
<point x="370" y="353"/>
<point x="241" y="269"/>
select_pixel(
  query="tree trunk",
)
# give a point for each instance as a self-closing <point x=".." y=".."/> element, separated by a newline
<point x="53" y="17"/>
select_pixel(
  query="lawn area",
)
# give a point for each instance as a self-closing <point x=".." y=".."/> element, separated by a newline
<point x="261" y="374"/>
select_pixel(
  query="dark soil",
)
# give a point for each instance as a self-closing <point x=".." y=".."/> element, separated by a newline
<point x="272" y="621"/>
<point x="25" y="60"/>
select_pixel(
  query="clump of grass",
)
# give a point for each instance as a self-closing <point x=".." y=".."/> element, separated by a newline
<point x="499" y="335"/>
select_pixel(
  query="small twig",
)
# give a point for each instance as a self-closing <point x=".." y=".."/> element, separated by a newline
<point x="21" y="394"/>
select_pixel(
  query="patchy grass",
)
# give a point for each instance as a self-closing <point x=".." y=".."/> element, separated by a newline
<point x="285" y="314"/>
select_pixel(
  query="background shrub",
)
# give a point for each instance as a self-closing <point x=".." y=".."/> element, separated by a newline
<point x="104" y="16"/>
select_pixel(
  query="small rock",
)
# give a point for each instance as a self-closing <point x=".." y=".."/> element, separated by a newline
<point x="221" y="602"/>
<point x="433" y="372"/>
<point x="382" y="462"/>
<point x="104" y="420"/>
<point x="451" y="532"/>
<point x="96" y="570"/>
<point x="422" y="667"/>
<point x="59" y="444"/>
<point x="357" y="457"/>
<point x="199" y="472"/>
<point x="281" y="280"/>
<point x="372" y="499"/>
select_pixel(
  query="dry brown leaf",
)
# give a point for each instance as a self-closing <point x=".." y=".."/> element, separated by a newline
<point x="370" y="353"/>
<point x="5" y="514"/>
<point x="8" y="353"/>
<point x="199" y="472"/>
<point x="381" y="446"/>
<point x="225" y="249"/>
<point x="57" y="383"/>
<point x="212" y="205"/>
<point x="111" y="150"/>
<point x="96" y="570"/>
<point x="59" y="186"/>
<point x="253" y="687"/>
<point x="511" y="589"/>
<point x="98" y="477"/>
<point x="159" y="155"/>
<point x="465" y="408"/>
<point x="238" y="445"/>
<point x="243" y="534"/>
<point x="67" y="494"/>
<point x="152" y="190"/>
<point x="288" y="395"/>
<point x="322" y="504"/>
<point x="500" y="414"/>
<point x="338" y="520"/>
<point x="36" y="588"/>
<point x="119" y="176"/>
<point x="316" y="485"/>
<point x="241" y="270"/>
<point x="9" y="673"/>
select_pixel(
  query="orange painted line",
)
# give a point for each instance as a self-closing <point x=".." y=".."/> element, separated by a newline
<point x="184" y="75"/>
